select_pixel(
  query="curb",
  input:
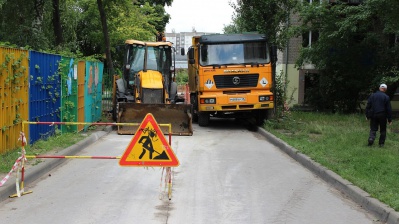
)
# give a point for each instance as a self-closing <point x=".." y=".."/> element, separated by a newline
<point x="380" y="210"/>
<point x="37" y="171"/>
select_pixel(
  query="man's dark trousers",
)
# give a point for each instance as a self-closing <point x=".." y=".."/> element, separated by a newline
<point x="380" y="120"/>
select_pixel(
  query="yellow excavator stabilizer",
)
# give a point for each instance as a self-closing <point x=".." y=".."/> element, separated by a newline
<point x="178" y="115"/>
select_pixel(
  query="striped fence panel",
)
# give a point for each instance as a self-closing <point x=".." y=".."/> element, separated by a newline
<point x="41" y="87"/>
<point x="93" y="91"/>
<point x="69" y="94"/>
<point x="98" y="83"/>
<point x="14" y="101"/>
<point x="81" y="93"/>
<point x="44" y="94"/>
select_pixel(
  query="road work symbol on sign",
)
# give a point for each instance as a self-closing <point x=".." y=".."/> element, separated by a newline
<point x="149" y="147"/>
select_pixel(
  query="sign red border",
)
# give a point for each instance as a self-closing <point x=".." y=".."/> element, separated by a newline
<point x="173" y="159"/>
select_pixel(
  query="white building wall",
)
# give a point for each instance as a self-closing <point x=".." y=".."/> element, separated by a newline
<point x="183" y="39"/>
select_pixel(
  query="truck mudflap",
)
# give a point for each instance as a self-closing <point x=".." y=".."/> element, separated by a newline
<point x="178" y="115"/>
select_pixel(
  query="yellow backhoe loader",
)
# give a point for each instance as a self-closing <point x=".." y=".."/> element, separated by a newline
<point x="147" y="86"/>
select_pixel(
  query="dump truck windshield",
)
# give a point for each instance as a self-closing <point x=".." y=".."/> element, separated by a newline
<point x="239" y="53"/>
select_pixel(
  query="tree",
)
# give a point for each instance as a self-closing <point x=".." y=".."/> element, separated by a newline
<point x="57" y="23"/>
<point x="124" y="21"/>
<point x="268" y="17"/>
<point x="84" y="26"/>
<point x="33" y="23"/>
<point x="103" y="19"/>
<point x="354" y="51"/>
<point x="22" y="23"/>
<point x="38" y="17"/>
<point x="157" y="12"/>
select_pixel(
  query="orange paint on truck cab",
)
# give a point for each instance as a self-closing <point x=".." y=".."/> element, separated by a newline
<point x="230" y="75"/>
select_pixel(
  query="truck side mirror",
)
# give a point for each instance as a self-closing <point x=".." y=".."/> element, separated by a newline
<point x="182" y="51"/>
<point x="190" y="54"/>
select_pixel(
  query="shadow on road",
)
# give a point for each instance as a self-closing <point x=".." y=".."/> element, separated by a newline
<point x="231" y="124"/>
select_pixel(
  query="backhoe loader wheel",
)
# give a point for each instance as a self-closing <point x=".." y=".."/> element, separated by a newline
<point x="114" y="115"/>
<point x="203" y="119"/>
<point x="195" y="117"/>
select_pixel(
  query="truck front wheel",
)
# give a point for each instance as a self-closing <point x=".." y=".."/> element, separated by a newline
<point x="193" y="101"/>
<point x="260" y="116"/>
<point x="203" y="119"/>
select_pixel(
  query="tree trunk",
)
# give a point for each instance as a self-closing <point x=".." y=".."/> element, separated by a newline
<point x="57" y="23"/>
<point x="38" y="19"/>
<point x="106" y="36"/>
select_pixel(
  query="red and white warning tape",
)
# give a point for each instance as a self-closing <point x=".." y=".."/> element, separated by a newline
<point x="22" y="158"/>
<point x="22" y="138"/>
<point x="14" y="167"/>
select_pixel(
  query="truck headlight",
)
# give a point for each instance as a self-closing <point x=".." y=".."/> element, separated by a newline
<point x="265" y="98"/>
<point x="208" y="100"/>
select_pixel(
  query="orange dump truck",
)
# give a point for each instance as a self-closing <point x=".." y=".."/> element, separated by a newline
<point x="231" y="75"/>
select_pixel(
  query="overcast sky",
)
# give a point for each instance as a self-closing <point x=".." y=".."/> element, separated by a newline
<point x="204" y="15"/>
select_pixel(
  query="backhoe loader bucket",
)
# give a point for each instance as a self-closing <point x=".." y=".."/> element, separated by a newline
<point x="178" y="115"/>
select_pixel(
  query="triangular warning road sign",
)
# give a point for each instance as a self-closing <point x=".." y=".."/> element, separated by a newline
<point x="149" y="147"/>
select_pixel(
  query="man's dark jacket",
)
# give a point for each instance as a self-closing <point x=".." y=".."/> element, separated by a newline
<point x="378" y="103"/>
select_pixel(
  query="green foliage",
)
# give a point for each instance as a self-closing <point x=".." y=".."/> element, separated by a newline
<point x="82" y="31"/>
<point x="182" y="76"/>
<point x="28" y="29"/>
<point x="4" y="128"/>
<point x="268" y="17"/>
<point x="354" y="52"/>
<point x="231" y="28"/>
<point x="282" y="99"/>
<point x="52" y="144"/>
<point x="13" y="80"/>
<point x="7" y="44"/>
<point x="339" y="143"/>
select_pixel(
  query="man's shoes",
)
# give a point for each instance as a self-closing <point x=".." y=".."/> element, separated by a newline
<point x="381" y="145"/>
<point x="370" y="142"/>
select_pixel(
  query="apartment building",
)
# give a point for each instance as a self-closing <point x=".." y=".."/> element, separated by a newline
<point x="182" y="40"/>
<point x="298" y="79"/>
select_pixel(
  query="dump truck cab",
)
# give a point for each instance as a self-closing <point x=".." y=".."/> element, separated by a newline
<point x="230" y="75"/>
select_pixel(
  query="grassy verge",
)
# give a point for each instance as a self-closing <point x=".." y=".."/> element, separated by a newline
<point x="52" y="144"/>
<point x="339" y="143"/>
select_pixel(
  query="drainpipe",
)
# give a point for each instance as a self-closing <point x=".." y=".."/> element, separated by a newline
<point x="286" y="57"/>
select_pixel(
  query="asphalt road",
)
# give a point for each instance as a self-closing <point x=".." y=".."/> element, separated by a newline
<point x="227" y="174"/>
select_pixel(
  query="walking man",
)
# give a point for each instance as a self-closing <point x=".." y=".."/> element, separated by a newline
<point x="379" y="111"/>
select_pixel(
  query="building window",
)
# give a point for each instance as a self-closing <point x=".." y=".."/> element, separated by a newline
<point x="309" y="38"/>
<point x="311" y="1"/>
<point x="393" y="40"/>
<point x="350" y="2"/>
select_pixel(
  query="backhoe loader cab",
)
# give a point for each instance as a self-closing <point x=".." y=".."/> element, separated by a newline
<point x="146" y="86"/>
<point x="153" y="64"/>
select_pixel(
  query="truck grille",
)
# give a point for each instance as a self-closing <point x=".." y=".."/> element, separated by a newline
<point x="236" y="81"/>
<point x="152" y="96"/>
